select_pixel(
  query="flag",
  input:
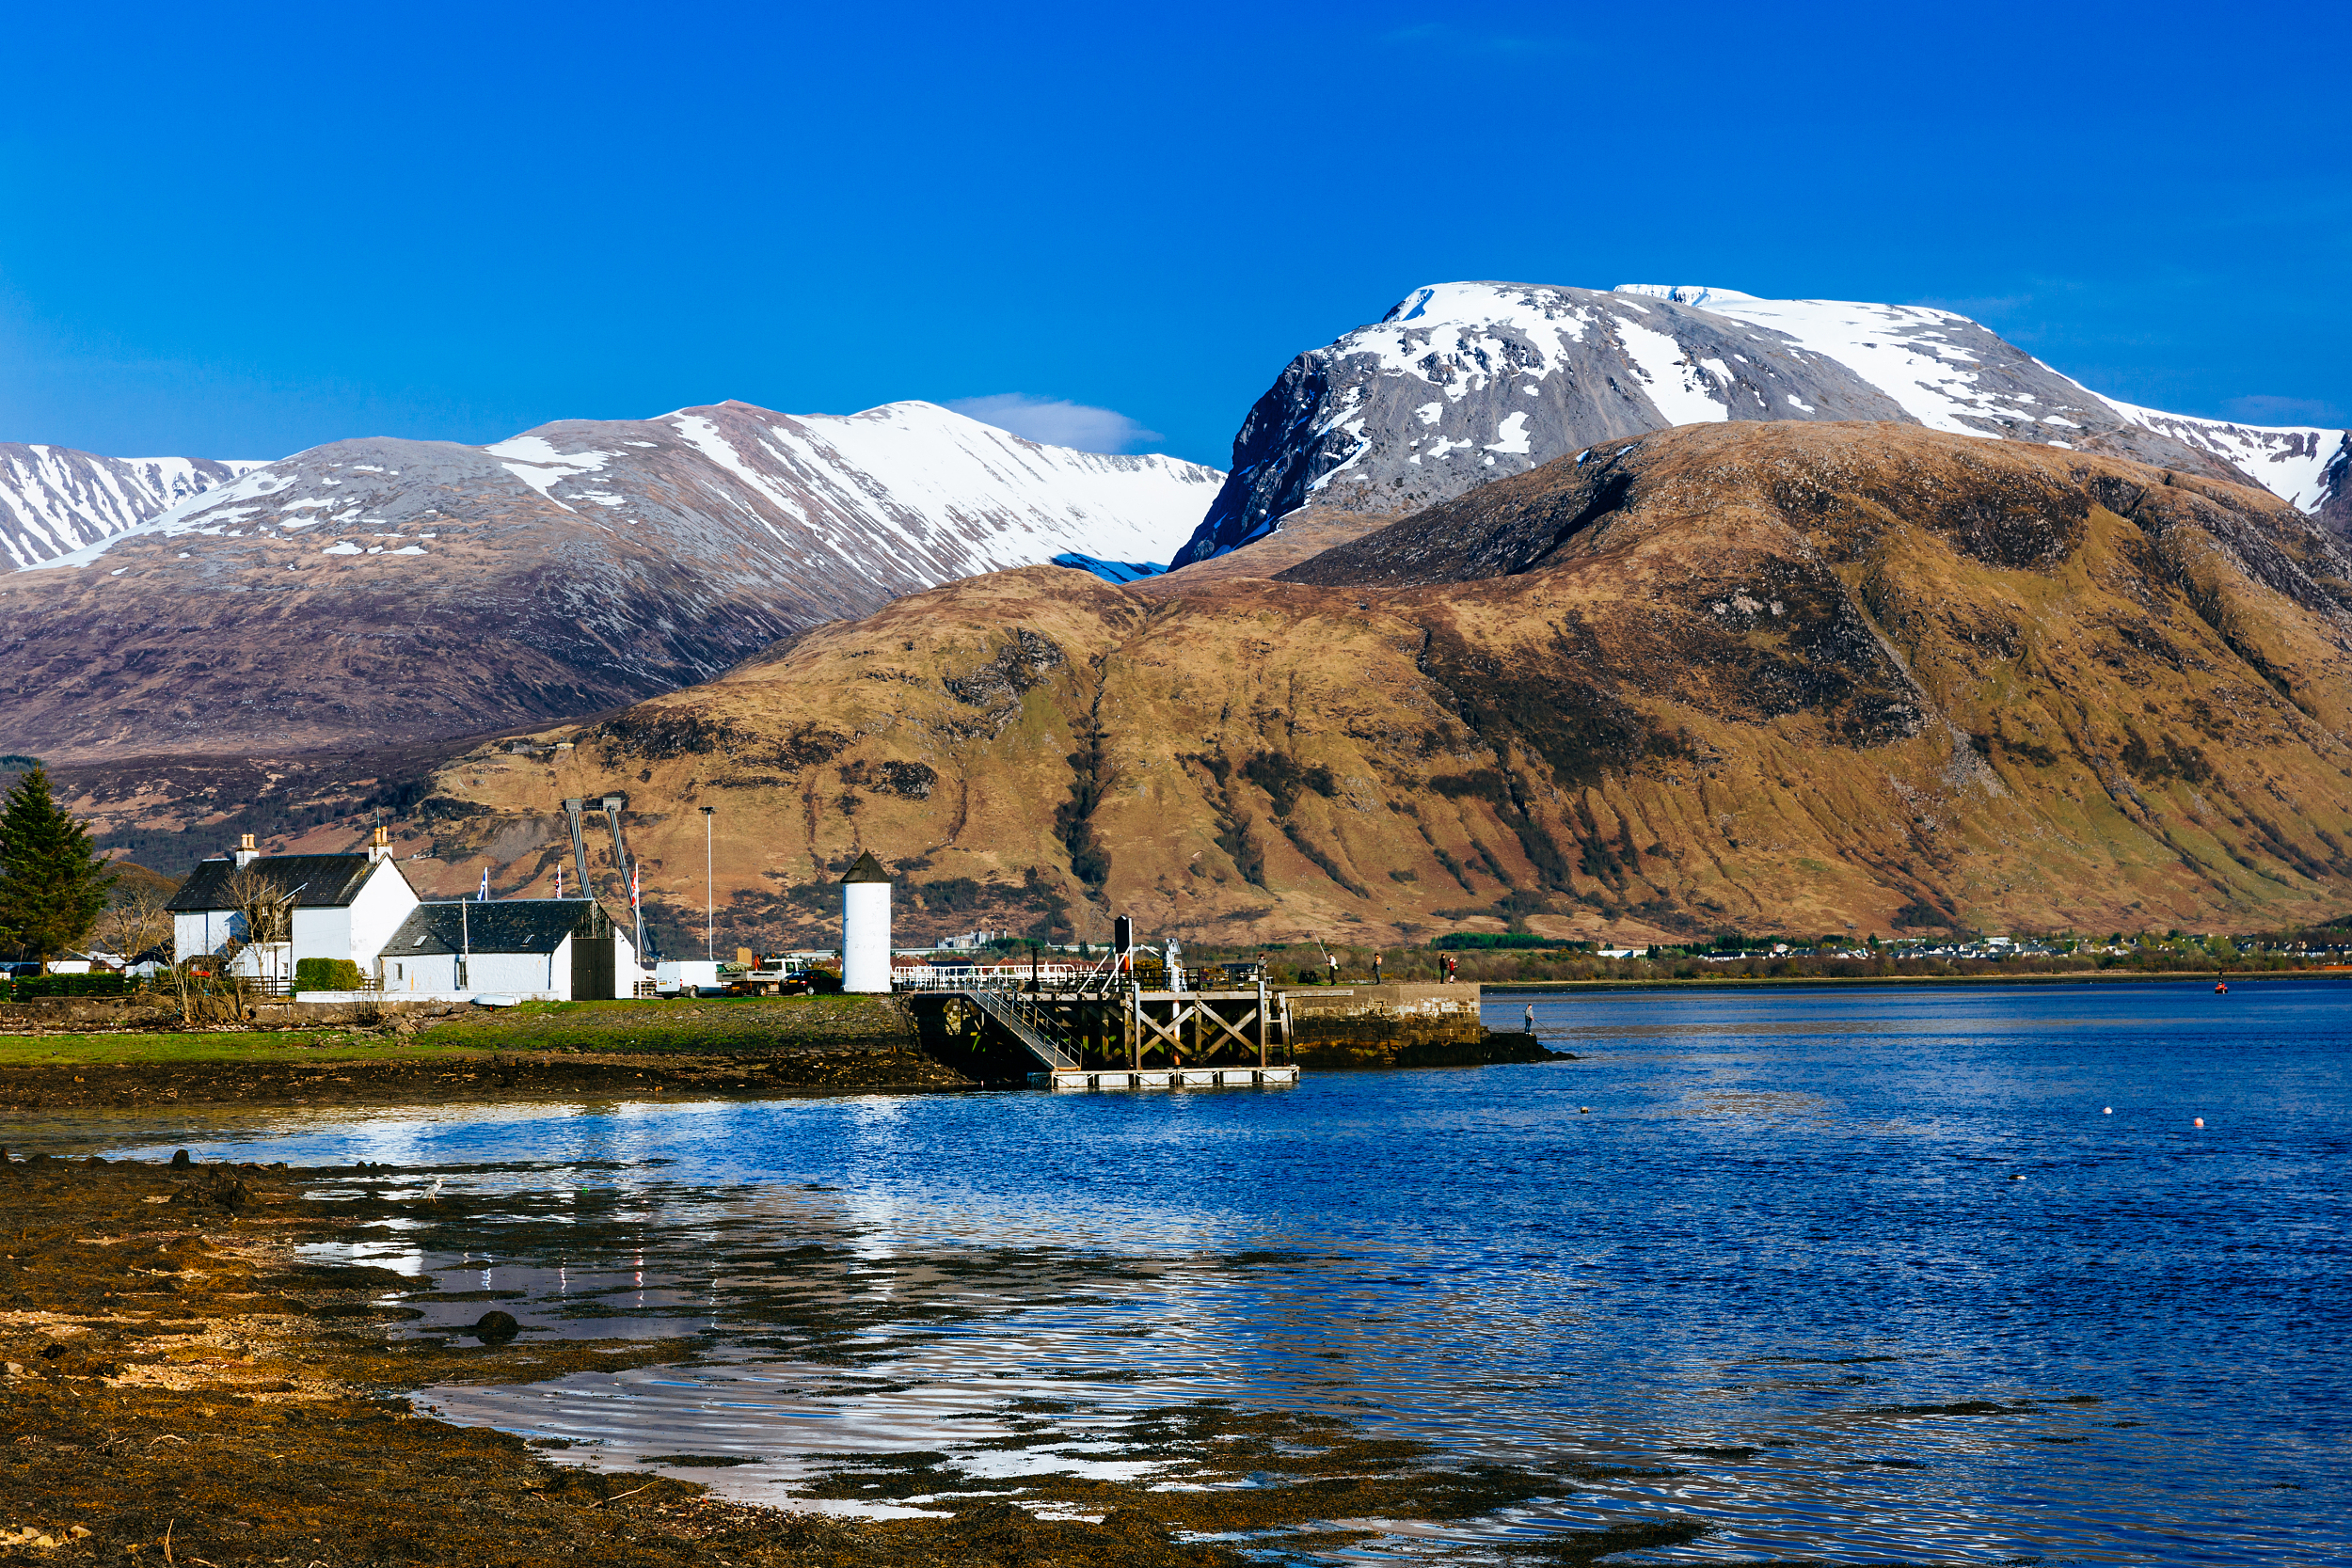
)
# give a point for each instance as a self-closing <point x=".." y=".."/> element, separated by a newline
<point x="632" y="885"/>
<point x="559" y="878"/>
<point x="484" y="897"/>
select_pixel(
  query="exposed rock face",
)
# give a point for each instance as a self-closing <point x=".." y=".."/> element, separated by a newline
<point x="1463" y="383"/>
<point x="1783" y="676"/>
<point x="392" y="590"/>
<point x="53" y="499"/>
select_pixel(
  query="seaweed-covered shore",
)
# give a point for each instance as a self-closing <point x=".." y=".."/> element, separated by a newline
<point x="181" y="1388"/>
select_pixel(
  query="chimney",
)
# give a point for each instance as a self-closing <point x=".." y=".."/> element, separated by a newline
<point x="380" y="846"/>
<point x="245" y="854"/>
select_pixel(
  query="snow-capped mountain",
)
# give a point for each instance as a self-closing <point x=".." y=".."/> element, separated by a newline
<point x="1465" y="382"/>
<point x="398" y="589"/>
<point x="53" y="499"/>
<point x="905" y="496"/>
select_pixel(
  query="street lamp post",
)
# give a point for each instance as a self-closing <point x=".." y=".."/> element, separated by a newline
<point x="709" y="898"/>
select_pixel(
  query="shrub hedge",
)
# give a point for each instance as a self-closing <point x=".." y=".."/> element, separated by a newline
<point x="31" y="986"/>
<point x="325" y="974"/>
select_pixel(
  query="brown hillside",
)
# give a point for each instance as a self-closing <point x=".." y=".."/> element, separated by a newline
<point x="1785" y="677"/>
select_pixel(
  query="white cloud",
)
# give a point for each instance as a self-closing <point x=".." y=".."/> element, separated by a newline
<point x="1057" y="421"/>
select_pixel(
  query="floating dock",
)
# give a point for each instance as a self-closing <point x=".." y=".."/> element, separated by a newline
<point x="1166" y="1078"/>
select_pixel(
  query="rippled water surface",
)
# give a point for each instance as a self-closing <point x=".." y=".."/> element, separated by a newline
<point x="1866" y="1275"/>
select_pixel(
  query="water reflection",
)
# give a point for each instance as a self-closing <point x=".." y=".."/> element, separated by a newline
<point x="1787" y="1267"/>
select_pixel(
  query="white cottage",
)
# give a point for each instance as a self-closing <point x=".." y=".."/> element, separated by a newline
<point x="342" y="907"/>
<point x="560" y="949"/>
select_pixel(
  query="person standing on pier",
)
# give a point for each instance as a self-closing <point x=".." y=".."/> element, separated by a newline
<point x="1376" y="968"/>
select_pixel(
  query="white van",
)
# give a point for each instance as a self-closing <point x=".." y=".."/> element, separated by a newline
<point x="687" y="978"/>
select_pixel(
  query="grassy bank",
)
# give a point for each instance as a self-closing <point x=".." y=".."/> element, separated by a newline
<point x="755" y="1023"/>
<point x="747" y="1046"/>
<point x="719" y="1025"/>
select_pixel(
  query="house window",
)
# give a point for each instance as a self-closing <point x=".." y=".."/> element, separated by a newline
<point x="398" y="972"/>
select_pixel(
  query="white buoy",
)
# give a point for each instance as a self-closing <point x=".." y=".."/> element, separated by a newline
<point x="866" y="926"/>
<point x="2108" y="1111"/>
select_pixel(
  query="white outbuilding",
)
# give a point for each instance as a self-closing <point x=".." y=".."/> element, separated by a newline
<point x="866" y="926"/>
<point x="555" y="949"/>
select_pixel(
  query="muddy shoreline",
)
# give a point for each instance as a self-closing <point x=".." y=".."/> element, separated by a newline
<point x="65" y="1085"/>
<point x="180" y="1387"/>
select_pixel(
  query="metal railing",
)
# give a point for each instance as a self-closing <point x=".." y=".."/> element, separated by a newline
<point x="1026" y="1023"/>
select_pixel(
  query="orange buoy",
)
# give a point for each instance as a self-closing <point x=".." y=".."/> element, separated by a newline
<point x="2200" y="1121"/>
<point x="2221" y="988"/>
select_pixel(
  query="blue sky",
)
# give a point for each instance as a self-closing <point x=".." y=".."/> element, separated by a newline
<point x="239" y="231"/>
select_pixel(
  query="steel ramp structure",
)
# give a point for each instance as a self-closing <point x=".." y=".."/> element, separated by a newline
<point x="1004" y="1009"/>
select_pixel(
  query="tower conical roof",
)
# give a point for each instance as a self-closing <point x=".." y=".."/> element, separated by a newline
<point x="868" y="869"/>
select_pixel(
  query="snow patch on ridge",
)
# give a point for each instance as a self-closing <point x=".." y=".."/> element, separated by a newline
<point x="1672" y="378"/>
<point x="2289" y="461"/>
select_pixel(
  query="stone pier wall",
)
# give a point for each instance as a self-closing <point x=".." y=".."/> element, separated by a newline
<point x="1417" y="1025"/>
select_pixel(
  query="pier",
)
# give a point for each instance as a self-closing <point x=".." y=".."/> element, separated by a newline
<point x="1118" y="1026"/>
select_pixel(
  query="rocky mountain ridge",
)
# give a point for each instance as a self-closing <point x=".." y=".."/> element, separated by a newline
<point x="53" y="499"/>
<point x="405" y="590"/>
<point x="1778" y="677"/>
<point x="1463" y="383"/>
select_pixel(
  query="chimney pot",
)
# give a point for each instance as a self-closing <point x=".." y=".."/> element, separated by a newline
<point x="247" y="854"/>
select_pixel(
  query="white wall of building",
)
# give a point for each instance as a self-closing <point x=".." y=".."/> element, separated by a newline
<point x="321" y="933"/>
<point x="196" y="932"/>
<point x="384" y="901"/>
<point x="486" y="973"/>
<point x="866" y="936"/>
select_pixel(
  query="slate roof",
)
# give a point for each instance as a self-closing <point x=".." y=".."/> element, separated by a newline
<point x="326" y="881"/>
<point x="499" y="926"/>
<point x="868" y="869"/>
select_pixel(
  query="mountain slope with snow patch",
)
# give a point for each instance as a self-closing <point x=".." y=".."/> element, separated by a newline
<point x="53" y="499"/>
<point x="1461" y="382"/>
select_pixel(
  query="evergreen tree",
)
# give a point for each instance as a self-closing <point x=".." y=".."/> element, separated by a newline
<point x="52" y="884"/>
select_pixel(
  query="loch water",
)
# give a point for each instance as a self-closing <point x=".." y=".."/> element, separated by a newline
<point x="1883" y="1274"/>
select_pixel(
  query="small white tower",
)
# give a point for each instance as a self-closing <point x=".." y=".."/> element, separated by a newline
<point x="866" y="926"/>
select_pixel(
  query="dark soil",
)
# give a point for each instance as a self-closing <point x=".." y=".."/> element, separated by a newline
<point x="77" y="1086"/>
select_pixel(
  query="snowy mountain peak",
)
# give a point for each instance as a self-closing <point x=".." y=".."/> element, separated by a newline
<point x="399" y="589"/>
<point x="1681" y="293"/>
<point x="908" y="493"/>
<point x="1465" y="382"/>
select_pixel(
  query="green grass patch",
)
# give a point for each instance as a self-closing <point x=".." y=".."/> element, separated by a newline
<point x="715" y="1025"/>
<point x="703" y="1024"/>
<point x="277" y="1046"/>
